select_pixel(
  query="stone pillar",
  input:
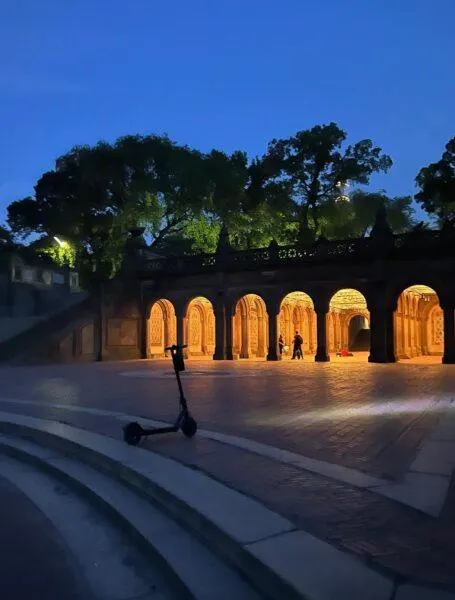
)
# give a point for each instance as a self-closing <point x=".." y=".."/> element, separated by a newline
<point x="220" y="332"/>
<point x="261" y="337"/>
<point x="181" y="319"/>
<point x="229" y="321"/>
<point x="143" y="335"/>
<point x="391" y="358"/>
<point x="99" y="324"/>
<point x="382" y="340"/>
<point x="449" y="334"/>
<point x="321" y="323"/>
<point x="273" y="352"/>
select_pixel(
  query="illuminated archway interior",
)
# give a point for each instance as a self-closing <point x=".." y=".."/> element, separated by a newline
<point x="200" y="327"/>
<point x="297" y="314"/>
<point x="162" y="328"/>
<point x="348" y="322"/>
<point x="418" y="323"/>
<point x="250" y="327"/>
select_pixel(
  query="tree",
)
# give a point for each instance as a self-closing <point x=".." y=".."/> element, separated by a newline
<point x="312" y="166"/>
<point x="6" y="238"/>
<point x="94" y="195"/>
<point x="437" y="186"/>
<point x="355" y="216"/>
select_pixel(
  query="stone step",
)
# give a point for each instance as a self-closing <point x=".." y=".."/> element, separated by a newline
<point x="278" y="560"/>
<point x="200" y="574"/>
<point x="66" y="547"/>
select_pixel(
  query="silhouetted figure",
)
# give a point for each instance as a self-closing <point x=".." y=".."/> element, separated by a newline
<point x="297" y="351"/>
<point x="281" y="344"/>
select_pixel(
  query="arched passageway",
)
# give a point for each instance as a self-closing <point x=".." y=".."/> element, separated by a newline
<point x="250" y="328"/>
<point x="418" y="324"/>
<point x="297" y="314"/>
<point x="162" y="328"/>
<point x="199" y="329"/>
<point x="348" y="324"/>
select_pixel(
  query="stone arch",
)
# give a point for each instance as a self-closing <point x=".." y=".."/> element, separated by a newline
<point x="161" y="328"/>
<point x="297" y="314"/>
<point x="418" y="323"/>
<point x="346" y="305"/>
<point x="199" y="327"/>
<point x="250" y="327"/>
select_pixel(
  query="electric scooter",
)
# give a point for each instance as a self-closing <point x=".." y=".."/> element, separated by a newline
<point x="133" y="432"/>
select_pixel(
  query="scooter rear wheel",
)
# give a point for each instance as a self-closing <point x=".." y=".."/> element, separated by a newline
<point x="189" y="427"/>
<point x="132" y="434"/>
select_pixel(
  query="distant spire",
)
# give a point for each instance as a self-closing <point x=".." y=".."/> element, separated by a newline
<point x="305" y="234"/>
<point x="224" y="245"/>
<point x="381" y="228"/>
<point x="274" y="249"/>
<point x="382" y="233"/>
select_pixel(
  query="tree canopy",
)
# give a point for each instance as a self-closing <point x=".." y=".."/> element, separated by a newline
<point x="182" y="196"/>
<point x="437" y="186"/>
<point x="313" y="167"/>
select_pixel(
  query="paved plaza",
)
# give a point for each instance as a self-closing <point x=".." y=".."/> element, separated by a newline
<point x="360" y="455"/>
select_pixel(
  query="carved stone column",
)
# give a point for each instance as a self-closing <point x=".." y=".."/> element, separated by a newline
<point x="382" y="340"/>
<point x="220" y="332"/>
<point x="273" y="351"/>
<point x="229" y="316"/>
<point x="182" y="329"/>
<point x="143" y="332"/>
<point x="449" y="334"/>
<point x="322" y="309"/>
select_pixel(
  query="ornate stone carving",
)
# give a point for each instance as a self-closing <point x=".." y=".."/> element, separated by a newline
<point x="437" y="327"/>
<point x="156" y="325"/>
<point x="195" y="326"/>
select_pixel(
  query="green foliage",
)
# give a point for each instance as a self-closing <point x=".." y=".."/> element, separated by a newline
<point x="354" y="218"/>
<point x="61" y="254"/>
<point x="437" y="186"/>
<point x="6" y="237"/>
<point x="312" y="165"/>
<point x="203" y="233"/>
<point x="94" y="195"/>
<point x="182" y="197"/>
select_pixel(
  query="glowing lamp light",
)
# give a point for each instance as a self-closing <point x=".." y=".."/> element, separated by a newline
<point x="60" y="242"/>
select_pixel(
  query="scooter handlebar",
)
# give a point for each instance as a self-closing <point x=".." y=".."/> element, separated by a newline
<point x="175" y="347"/>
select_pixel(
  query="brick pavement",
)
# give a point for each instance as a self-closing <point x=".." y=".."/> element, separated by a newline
<point x="381" y="532"/>
<point x="323" y="422"/>
<point x="367" y="417"/>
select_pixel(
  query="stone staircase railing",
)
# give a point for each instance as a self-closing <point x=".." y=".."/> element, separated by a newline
<point x="41" y="333"/>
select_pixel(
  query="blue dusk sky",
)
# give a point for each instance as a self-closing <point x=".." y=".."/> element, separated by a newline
<point x="230" y="75"/>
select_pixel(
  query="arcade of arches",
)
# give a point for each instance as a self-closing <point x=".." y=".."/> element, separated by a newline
<point x="418" y="323"/>
<point x="198" y="328"/>
<point x="162" y="328"/>
<point x="347" y="323"/>
<point x="250" y="328"/>
<point x="252" y="332"/>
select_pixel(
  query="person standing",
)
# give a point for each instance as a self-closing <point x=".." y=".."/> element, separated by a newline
<point x="281" y="344"/>
<point x="297" y="351"/>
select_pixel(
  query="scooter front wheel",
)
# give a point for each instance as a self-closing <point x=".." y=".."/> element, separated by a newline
<point x="189" y="427"/>
<point x="132" y="434"/>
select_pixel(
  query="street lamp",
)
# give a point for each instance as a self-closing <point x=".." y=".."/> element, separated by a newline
<point x="60" y="242"/>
